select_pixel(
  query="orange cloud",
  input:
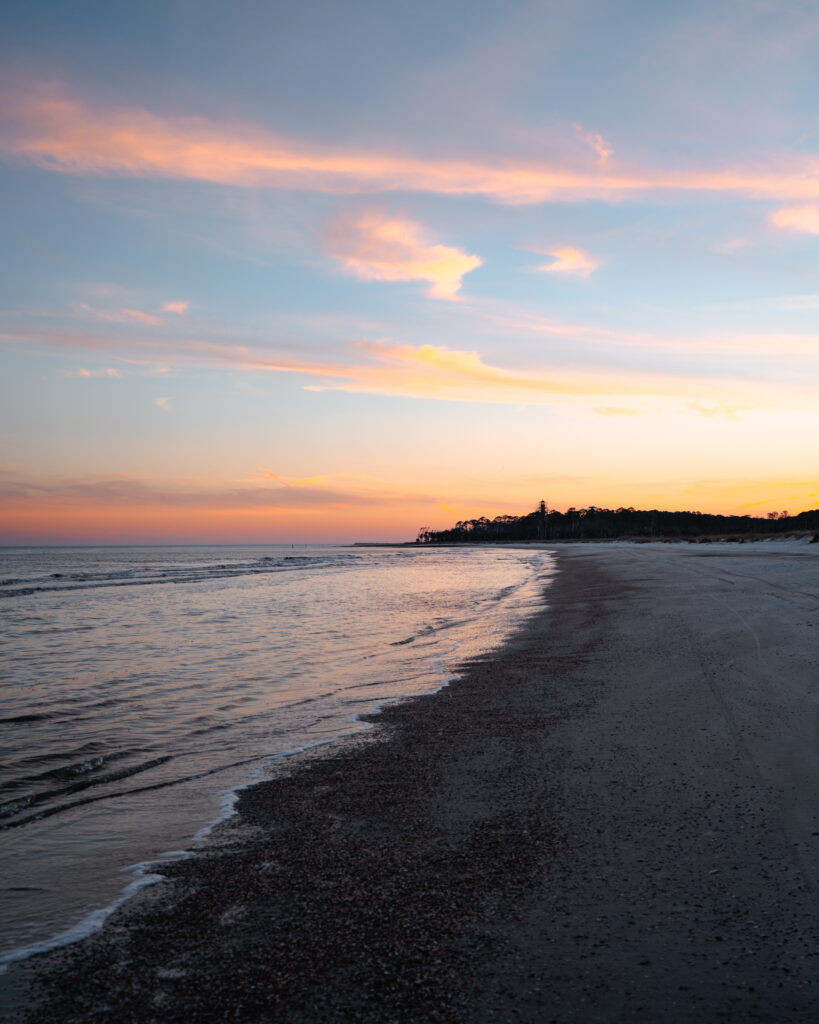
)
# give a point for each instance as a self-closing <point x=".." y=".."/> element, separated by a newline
<point x="179" y="307"/>
<point x="719" y="409"/>
<point x="436" y="371"/>
<point x="614" y="410"/>
<point x="111" y="503"/>
<point x="568" y="260"/>
<point x="163" y="403"/>
<point x="269" y="490"/>
<point x="376" y="247"/>
<point x="117" y="507"/>
<point x="439" y="372"/>
<point x="797" y="218"/>
<point x="62" y="134"/>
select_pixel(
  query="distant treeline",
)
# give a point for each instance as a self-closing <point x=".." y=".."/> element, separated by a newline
<point x="606" y="524"/>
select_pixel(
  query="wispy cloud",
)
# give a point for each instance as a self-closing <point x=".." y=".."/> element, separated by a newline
<point x="718" y="409"/>
<point x="122" y="315"/>
<point x="266" y="490"/>
<point x="106" y="372"/>
<point x="178" y="306"/>
<point x="440" y="372"/>
<point x="804" y="219"/>
<point x="732" y="245"/>
<point x="596" y="143"/>
<point x="47" y="126"/>
<point x="614" y="410"/>
<point x="738" y="342"/>
<point x="376" y="247"/>
<point x="163" y="403"/>
<point x="568" y="260"/>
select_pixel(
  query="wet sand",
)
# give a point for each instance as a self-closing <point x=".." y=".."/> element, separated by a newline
<point x="614" y="818"/>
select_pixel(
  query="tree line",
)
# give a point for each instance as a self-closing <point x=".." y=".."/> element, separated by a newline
<point x="608" y="524"/>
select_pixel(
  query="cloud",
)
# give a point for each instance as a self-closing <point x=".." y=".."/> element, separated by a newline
<point x="46" y="126"/>
<point x="438" y="372"/>
<point x="732" y="245"/>
<point x="506" y="319"/>
<point x="122" y="316"/>
<point x="568" y="260"/>
<point x="163" y="403"/>
<point x="133" y="316"/>
<point x="718" y="409"/>
<point x="614" y="410"/>
<point x="443" y="373"/>
<point x="804" y="219"/>
<point x="179" y="307"/>
<point x="107" y="372"/>
<point x="595" y="142"/>
<point x="380" y="367"/>
<point x="376" y="247"/>
<point x="117" y="491"/>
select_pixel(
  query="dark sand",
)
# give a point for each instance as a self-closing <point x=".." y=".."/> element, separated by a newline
<point x="612" y="819"/>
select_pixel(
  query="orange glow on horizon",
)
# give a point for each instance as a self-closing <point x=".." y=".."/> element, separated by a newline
<point x="58" y="519"/>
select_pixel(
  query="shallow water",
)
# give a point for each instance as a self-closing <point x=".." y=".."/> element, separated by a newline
<point x="141" y="686"/>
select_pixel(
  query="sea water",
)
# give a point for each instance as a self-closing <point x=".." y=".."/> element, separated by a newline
<point x="140" y="687"/>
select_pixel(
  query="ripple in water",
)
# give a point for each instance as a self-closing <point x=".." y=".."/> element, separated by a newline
<point x="142" y="686"/>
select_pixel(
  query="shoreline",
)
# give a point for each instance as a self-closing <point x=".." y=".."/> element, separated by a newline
<point x="89" y="884"/>
<point x="589" y="824"/>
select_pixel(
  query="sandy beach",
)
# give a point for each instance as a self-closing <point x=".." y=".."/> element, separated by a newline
<point x="613" y="818"/>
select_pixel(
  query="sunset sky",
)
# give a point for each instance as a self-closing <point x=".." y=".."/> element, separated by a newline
<point x="331" y="271"/>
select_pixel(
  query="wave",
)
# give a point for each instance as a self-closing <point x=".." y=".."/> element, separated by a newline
<point x="152" y="575"/>
<point x="85" y="779"/>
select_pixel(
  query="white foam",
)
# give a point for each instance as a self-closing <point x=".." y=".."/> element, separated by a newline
<point x="94" y="921"/>
<point x="87" y="926"/>
<point x="145" y="872"/>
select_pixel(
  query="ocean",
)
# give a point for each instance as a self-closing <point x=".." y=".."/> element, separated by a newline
<point x="141" y="687"/>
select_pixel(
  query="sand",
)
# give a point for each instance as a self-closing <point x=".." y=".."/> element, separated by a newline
<point x="614" y="818"/>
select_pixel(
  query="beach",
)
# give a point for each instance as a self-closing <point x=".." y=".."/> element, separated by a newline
<point x="612" y="817"/>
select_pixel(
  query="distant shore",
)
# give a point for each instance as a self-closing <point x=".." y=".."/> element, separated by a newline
<point x="612" y="818"/>
<point x="809" y="536"/>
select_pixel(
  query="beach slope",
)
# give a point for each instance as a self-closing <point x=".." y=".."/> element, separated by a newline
<point x="613" y="818"/>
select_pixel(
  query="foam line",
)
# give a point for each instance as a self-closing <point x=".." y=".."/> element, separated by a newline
<point x="145" y="872"/>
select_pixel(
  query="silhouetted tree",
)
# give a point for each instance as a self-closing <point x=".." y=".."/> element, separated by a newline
<point x="594" y="523"/>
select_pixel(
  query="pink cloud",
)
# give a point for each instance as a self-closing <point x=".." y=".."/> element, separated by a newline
<point x="122" y="316"/>
<point x="107" y="372"/>
<point x="736" y="343"/>
<point x="376" y="247"/>
<point x="804" y="219"/>
<point x="46" y="126"/>
<point x="436" y="371"/>
<point x="568" y="260"/>
<point x="266" y="490"/>
<point x="179" y="307"/>
<point x="595" y="142"/>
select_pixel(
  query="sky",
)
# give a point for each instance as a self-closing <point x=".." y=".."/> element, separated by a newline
<point x="280" y="272"/>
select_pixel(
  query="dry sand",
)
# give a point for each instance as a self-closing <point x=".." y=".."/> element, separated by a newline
<point x="613" y="819"/>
